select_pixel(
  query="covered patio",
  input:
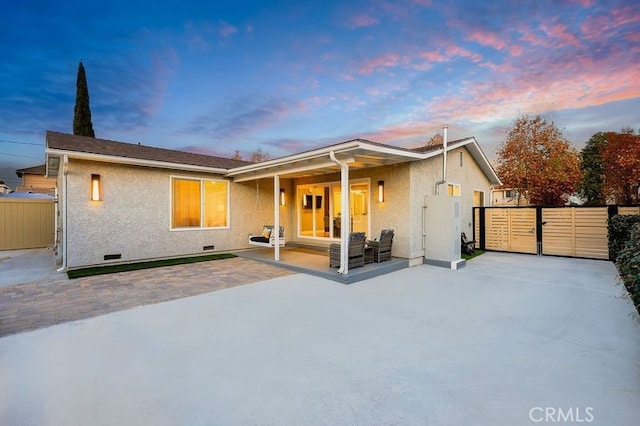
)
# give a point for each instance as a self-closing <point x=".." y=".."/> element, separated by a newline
<point x="295" y="179"/>
<point x="314" y="260"/>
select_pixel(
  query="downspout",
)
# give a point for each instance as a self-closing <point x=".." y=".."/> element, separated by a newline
<point x="344" y="219"/>
<point x="276" y="217"/>
<point x="65" y="163"/>
<point x="444" y="159"/>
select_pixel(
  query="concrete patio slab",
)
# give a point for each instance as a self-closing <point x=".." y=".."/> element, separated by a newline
<point x="26" y="266"/>
<point x="316" y="262"/>
<point x="504" y="341"/>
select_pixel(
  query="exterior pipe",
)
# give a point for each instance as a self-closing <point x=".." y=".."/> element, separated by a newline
<point x="444" y="159"/>
<point x="63" y="206"/>
<point x="276" y="217"/>
<point x="444" y="152"/>
<point x="344" y="219"/>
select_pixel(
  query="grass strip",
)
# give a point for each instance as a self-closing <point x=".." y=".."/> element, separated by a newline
<point x="477" y="252"/>
<point x="99" y="270"/>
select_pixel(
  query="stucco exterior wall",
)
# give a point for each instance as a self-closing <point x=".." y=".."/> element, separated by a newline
<point x="133" y="218"/>
<point x="424" y="175"/>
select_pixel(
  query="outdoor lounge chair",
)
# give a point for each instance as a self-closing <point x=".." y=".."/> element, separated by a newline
<point x="267" y="238"/>
<point x="382" y="246"/>
<point x="356" y="251"/>
<point x="467" y="247"/>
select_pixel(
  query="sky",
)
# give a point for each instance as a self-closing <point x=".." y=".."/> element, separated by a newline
<point x="286" y="76"/>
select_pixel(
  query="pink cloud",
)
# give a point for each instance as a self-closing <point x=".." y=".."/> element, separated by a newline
<point x="432" y="56"/>
<point x="379" y="63"/>
<point x="634" y="37"/>
<point x="455" y="50"/>
<point x="227" y="29"/>
<point x="559" y="32"/>
<point x="540" y="86"/>
<point x="363" y="20"/>
<point x="450" y="52"/>
<point x="488" y="39"/>
<point x="583" y="3"/>
<point x="625" y="15"/>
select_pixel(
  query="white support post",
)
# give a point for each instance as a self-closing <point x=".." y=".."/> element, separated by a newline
<point x="276" y="217"/>
<point x="345" y="220"/>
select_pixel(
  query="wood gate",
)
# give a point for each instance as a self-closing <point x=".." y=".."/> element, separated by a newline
<point x="575" y="232"/>
<point x="26" y="223"/>
<point x="510" y="229"/>
<point x="559" y="231"/>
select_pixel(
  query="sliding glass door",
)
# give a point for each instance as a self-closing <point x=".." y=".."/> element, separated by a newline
<point x="320" y="209"/>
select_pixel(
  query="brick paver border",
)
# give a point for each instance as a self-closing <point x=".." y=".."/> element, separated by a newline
<point x="30" y="306"/>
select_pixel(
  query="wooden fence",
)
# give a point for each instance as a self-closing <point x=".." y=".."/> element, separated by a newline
<point x="26" y="223"/>
<point x="560" y="231"/>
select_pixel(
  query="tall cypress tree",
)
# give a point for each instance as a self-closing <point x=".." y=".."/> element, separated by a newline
<point x="82" y="113"/>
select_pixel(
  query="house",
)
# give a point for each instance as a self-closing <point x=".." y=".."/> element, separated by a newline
<point x="502" y="196"/>
<point x="35" y="181"/>
<point x="121" y="202"/>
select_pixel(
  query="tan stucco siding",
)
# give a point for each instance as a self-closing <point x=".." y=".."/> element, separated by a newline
<point x="133" y="218"/>
<point x="425" y="174"/>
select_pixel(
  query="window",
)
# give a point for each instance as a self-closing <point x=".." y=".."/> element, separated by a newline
<point x="510" y="193"/>
<point x="453" y="190"/>
<point x="199" y="203"/>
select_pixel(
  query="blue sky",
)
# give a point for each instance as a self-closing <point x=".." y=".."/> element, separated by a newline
<point x="285" y="76"/>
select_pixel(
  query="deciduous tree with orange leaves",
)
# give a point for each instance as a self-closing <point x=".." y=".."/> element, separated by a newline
<point x="539" y="162"/>
<point x="621" y="166"/>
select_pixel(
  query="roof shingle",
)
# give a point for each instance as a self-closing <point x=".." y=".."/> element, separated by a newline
<point x="73" y="143"/>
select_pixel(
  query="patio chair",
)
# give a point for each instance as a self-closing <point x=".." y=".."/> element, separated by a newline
<point x="267" y="238"/>
<point x="468" y="247"/>
<point x="356" y="251"/>
<point x="382" y="246"/>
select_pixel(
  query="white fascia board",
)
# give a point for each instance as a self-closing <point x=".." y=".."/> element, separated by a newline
<point x="135" y="161"/>
<point x="270" y="173"/>
<point x="324" y="152"/>
<point x="283" y="161"/>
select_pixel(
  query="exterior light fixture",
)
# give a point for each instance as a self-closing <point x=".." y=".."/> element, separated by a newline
<point x="95" y="188"/>
<point x="282" y="203"/>
<point x="381" y="191"/>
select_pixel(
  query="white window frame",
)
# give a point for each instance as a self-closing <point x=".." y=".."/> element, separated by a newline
<point x="454" y="185"/>
<point x="202" y="210"/>
<point x="484" y="196"/>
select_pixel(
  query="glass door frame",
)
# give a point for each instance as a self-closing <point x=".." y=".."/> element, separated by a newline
<point x="331" y="185"/>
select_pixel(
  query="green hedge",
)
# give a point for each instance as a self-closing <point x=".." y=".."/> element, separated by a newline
<point x="628" y="262"/>
<point x="619" y="233"/>
<point x="624" y="249"/>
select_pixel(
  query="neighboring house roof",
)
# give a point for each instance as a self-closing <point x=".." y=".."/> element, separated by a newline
<point x="82" y="147"/>
<point x="28" y="195"/>
<point x="35" y="170"/>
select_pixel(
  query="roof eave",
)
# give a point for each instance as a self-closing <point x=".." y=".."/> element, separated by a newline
<point x="134" y="161"/>
<point x="323" y="152"/>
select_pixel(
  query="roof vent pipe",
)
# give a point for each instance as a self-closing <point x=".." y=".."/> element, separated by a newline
<point x="444" y="152"/>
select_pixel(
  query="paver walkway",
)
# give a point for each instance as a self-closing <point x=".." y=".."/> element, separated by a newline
<point x="41" y="304"/>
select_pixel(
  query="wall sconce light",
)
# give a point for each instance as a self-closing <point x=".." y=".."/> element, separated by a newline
<point x="381" y="191"/>
<point x="95" y="187"/>
<point x="282" y="197"/>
